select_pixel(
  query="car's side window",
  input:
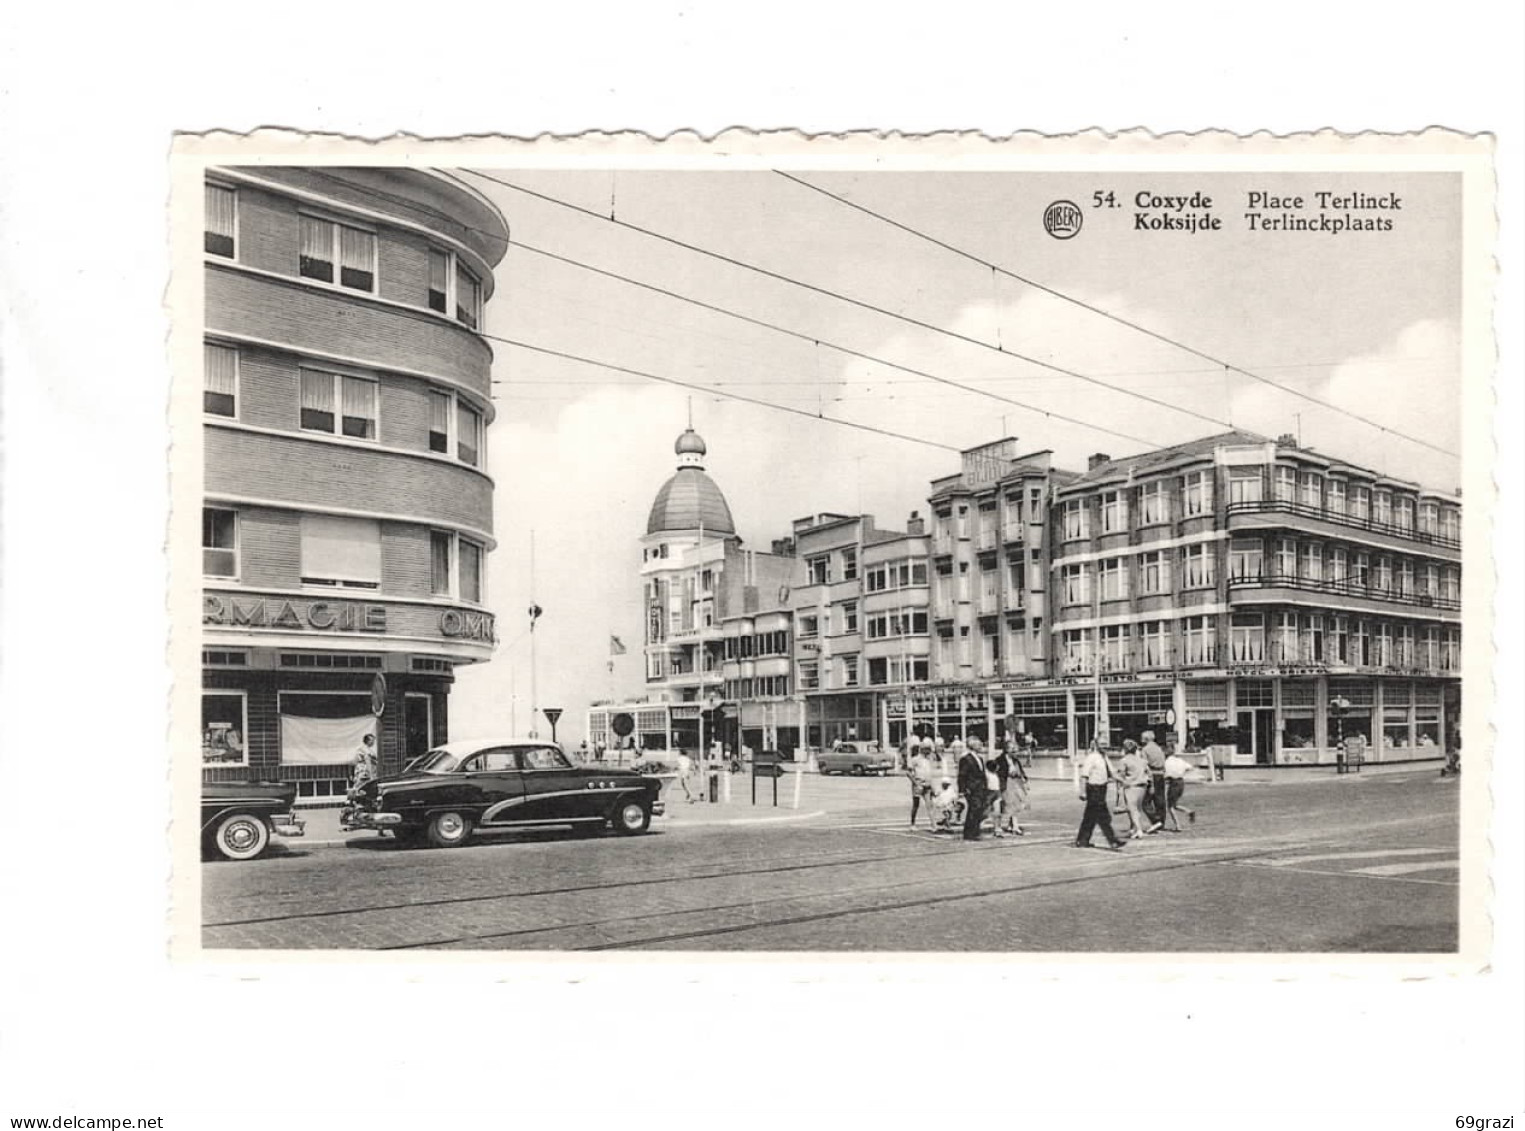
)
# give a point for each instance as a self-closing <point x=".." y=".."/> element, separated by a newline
<point x="545" y="758"/>
<point x="498" y="760"/>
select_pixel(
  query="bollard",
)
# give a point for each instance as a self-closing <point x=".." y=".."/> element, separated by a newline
<point x="714" y="786"/>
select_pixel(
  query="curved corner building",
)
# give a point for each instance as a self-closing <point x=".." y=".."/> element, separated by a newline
<point x="347" y="510"/>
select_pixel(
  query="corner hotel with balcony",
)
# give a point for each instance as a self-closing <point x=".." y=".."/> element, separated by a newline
<point x="347" y="511"/>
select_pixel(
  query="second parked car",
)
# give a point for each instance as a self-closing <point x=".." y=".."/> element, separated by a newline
<point x="855" y="758"/>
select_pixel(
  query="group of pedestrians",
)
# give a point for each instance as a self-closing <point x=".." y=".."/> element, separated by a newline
<point x="1151" y="782"/>
<point x="993" y="787"/>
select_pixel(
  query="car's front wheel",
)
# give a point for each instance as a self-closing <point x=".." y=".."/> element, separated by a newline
<point x="857" y="771"/>
<point x="632" y="817"/>
<point x="449" y="830"/>
<point x="240" y="836"/>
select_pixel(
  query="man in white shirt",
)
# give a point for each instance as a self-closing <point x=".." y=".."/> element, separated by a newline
<point x="1095" y="773"/>
<point x="1175" y="785"/>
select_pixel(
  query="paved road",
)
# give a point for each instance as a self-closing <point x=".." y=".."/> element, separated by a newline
<point x="1365" y="863"/>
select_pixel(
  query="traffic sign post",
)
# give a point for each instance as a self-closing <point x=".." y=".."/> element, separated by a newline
<point x="551" y="715"/>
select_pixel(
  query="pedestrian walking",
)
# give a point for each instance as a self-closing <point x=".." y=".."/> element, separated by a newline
<point x="1175" y="787"/>
<point x="365" y="762"/>
<point x="971" y="783"/>
<point x="1155" y="757"/>
<point x="1133" y="776"/>
<point x="685" y="769"/>
<point x="1095" y="775"/>
<point x="920" y="774"/>
<point x="1014" y="789"/>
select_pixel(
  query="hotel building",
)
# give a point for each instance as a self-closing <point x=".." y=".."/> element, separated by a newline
<point x="347" y="510"/>
<point x="1250" y="593"/>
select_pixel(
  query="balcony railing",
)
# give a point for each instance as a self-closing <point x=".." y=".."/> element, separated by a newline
<point x="1342" y="587"/>
<point x="1323" y="514"/>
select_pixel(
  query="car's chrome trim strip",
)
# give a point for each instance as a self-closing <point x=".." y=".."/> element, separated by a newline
<point x="513" y="802"/>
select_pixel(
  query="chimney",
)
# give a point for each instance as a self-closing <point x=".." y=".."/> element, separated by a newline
<point x="1097" y="460"/>
<point x="916" y="526"/>
<point x="1286" y="440"/>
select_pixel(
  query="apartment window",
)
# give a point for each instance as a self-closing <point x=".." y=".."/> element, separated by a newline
<point x="1406" y="578"/>
<point x="1077" y="651"/>
<point x="1360" y="573"/>
<point x="468" y="296"/>
<point x="1286" y="559"/>
<point x="1403" y="515"/>
<point x="1384" y="578"/>
<point x="1382" y="507"/>
<point x="818" y="570"/>
<point x="1450" y="651"/>
<point x="1429" y="656"/>
<point x="1014" y="512"/>
<point x="343" y="553"/>
<point x="440" y="405"/>
<point x="1075" y="520"/>
<point x="1114" y="579"/>
<point x="338" y="404"/>
<point x="849" y="565"/>
<point x="1114" y="512"/>
<point x="1338" y="565"/>
<point x="810" y="628"/>
<point x="1247" y="642"/>
<point x="1114" y="648"/>
<point x="1339" y="640"/>
<point x="850" y="616"/>
<point x="1450" y="524"/>
<point x="471" y="571"/>
<point x="439" y="280"/>
<point x="1312" y="490"/>
<point x="468" y="437"/>
<point x="810" y="675"/>
<point x="1246" y="559"/>
<point x="221" y="221"/>
<point x="1154" y="642"/>
<point x="1153" y="504"/>
<point x="1245" y="485"/>
<point x="1284" y="646"/>
<point x="1016" y="580"/>
<point x="1360" y="639"/>
<point x="327" y="244"/>
<point x="1285" y="481"/>
<point x="1312" y="562"/>
<point x="1451" y="586"/>
<point x="219" y="395"/>
<point x="1384" y="645"/>
<point x="1154" y="572"/>
<point x="1200" y="567"/>
<point x="1334" y="496"/>
<point x="219" y="542"/>
<point x="441" y="557"/>
<point x="1431" y="582"/>
<point x="1197" y="493"/>
<point x="850" y="671"/>
<point x="918" y="573"/>
<point x="1200" y="635"/>
<point x="1360" y="503"/>
<point x="1076" y="580"/>
<point x="1429" y="519"/>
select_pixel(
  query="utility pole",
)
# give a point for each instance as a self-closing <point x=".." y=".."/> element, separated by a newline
<point x="534" y="614"/>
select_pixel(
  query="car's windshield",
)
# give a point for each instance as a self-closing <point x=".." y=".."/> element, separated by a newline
<point x="434" y="762"/>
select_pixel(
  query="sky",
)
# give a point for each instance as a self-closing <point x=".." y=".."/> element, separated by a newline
<point x="1366" y="321"/>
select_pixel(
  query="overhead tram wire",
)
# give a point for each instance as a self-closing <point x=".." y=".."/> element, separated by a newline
<point x="832" y="345"/>
<point x="860" y="303"/>
<point x="701" y="388"/>
<point x="1155" y="334"/>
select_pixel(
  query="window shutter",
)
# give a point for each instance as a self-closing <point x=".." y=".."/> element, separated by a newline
<point x="342" y="550"/>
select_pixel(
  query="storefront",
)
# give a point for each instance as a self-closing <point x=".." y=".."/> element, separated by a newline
<point x="292" y="686"/>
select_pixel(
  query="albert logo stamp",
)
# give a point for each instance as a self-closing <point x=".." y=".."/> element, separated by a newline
<point x="1062" y="219"/>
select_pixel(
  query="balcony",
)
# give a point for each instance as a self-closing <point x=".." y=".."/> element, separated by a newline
<point x="1343" y="587"/>
<point x="986" y="539"/>
<point x="1349" y="522"/>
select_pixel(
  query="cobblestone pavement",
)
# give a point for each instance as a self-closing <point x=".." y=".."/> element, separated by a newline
<point x="1364" y="864"/>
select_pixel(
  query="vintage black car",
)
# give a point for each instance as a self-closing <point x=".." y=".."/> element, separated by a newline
<point x="238" y="818"/>
<point x="509" y="783"/>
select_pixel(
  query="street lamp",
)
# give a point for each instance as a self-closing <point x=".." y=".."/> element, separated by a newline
<point x="534" y="614"/>
<point x="1337" y="708"/>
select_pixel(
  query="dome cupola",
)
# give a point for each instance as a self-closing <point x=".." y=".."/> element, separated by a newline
<point x="690" y="500"/>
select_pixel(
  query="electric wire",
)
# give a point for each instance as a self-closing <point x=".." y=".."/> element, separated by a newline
<point x="1091" y="307"/>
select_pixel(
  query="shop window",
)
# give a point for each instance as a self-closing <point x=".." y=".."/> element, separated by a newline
<point x="324" y="729"/>
<point x="219" y="396"/>
<point x="338" y="404"/>
<point x="1395" y="727"/>
<point x="223" y="726"/>
<point x="343" y="553"/>
<point x="221" y="236"/>
<point x="1298" y="728"/>
<point x="327" y="244"/>
<point x="219" y="542"/>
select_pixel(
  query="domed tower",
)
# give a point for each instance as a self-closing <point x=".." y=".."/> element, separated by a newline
<point x="683" y="559"/>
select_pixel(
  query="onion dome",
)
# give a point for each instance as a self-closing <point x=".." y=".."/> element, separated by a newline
<point x="690" y="499"/>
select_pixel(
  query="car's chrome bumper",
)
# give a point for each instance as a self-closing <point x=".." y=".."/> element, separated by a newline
<point x="658" y="808"/>
<point x="353" y="819"/>
<point x="287" y="824"/>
